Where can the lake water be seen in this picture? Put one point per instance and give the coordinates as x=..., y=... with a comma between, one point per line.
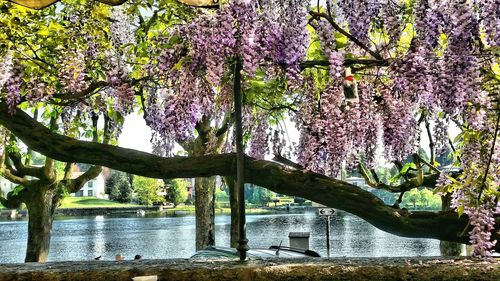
x=173, y=237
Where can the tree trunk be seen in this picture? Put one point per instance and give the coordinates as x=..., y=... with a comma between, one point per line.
x=41, y=207
x=448, y=249
x=205, y=212
x=233, y=202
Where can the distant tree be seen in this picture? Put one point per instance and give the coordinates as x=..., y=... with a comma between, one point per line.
x=221, y=195
x=411, y=196
x=147, y=190
x=262, y=196
x=177, y=192
x=429, y=200
x=121, y=190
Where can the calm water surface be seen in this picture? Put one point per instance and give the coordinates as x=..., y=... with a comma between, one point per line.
x=173, y=237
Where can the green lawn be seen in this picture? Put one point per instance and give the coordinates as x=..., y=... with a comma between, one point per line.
x=91, y=202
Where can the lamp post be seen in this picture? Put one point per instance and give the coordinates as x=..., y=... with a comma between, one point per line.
x=240, y=159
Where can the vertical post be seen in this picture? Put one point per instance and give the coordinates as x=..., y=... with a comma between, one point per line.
x=240, y=159
x=328, y=235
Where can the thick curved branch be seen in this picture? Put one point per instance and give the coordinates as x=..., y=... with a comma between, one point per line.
x=77, y=184
x=10, y=175
x=226, y=124
x=273, y=176
x=21, y=169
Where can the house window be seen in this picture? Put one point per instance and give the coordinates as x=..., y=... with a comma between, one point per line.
x=90, y=193
x=90, y=184
x=79, y=193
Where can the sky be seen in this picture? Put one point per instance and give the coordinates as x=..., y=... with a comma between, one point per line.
x=135, y=134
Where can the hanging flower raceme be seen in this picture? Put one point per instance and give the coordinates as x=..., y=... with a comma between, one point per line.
x=392, y=20
x=312, y=133
x=457, y=81
x=399, y=127
x=368, y=126
x=427, y=23
x=13, y=88
x=326, y=37
x=359, y=15
x=5, y=69
x=120, y=27
x=490, y=15
x=260, y=138
x=440, y=133
x=119, y=87
x=413, y=78
x=72, y=72
x=38, y=91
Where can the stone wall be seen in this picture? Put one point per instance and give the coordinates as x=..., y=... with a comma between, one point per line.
x=386, y=269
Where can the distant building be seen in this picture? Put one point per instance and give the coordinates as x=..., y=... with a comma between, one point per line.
x=92, y=188
x=357, y=181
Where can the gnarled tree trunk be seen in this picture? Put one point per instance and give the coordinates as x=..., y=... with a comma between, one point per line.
x=41, y=207
x=205, y=212
x=447, y=248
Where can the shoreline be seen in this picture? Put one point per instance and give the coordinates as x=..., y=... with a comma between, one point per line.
x=8, y=214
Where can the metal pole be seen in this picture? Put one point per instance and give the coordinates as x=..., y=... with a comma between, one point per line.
x=240, y=159
x=328, y=235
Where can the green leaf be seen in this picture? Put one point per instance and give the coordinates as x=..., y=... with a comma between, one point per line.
x=460, y=210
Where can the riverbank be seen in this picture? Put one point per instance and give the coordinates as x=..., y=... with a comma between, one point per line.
x=269, y=269
x=144, y=210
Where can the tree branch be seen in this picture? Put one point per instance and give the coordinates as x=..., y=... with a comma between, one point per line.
x=77, y=184
x=40, y=4
x=23, y=170
x=429, y=180
x=347, y=62
x=431, y=141
x=280, y=159
x=278, y=178
x=226, y=124
x=347, y=34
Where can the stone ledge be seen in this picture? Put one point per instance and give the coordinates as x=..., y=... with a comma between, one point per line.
x=260, y=270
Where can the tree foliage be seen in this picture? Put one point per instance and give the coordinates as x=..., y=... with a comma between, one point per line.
x=121, y=190
x=147, y=189
x=177, y=191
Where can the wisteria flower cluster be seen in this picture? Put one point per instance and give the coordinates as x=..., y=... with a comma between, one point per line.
x=72, y=72
x=359, y=15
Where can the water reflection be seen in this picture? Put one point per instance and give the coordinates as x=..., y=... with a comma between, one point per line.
x=173, y=237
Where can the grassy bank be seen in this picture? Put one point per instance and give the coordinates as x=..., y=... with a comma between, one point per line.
x=91, y=202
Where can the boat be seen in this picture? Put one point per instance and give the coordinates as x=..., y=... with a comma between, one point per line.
x=225, y=253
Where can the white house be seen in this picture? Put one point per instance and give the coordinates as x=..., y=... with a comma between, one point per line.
x=93, y=188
